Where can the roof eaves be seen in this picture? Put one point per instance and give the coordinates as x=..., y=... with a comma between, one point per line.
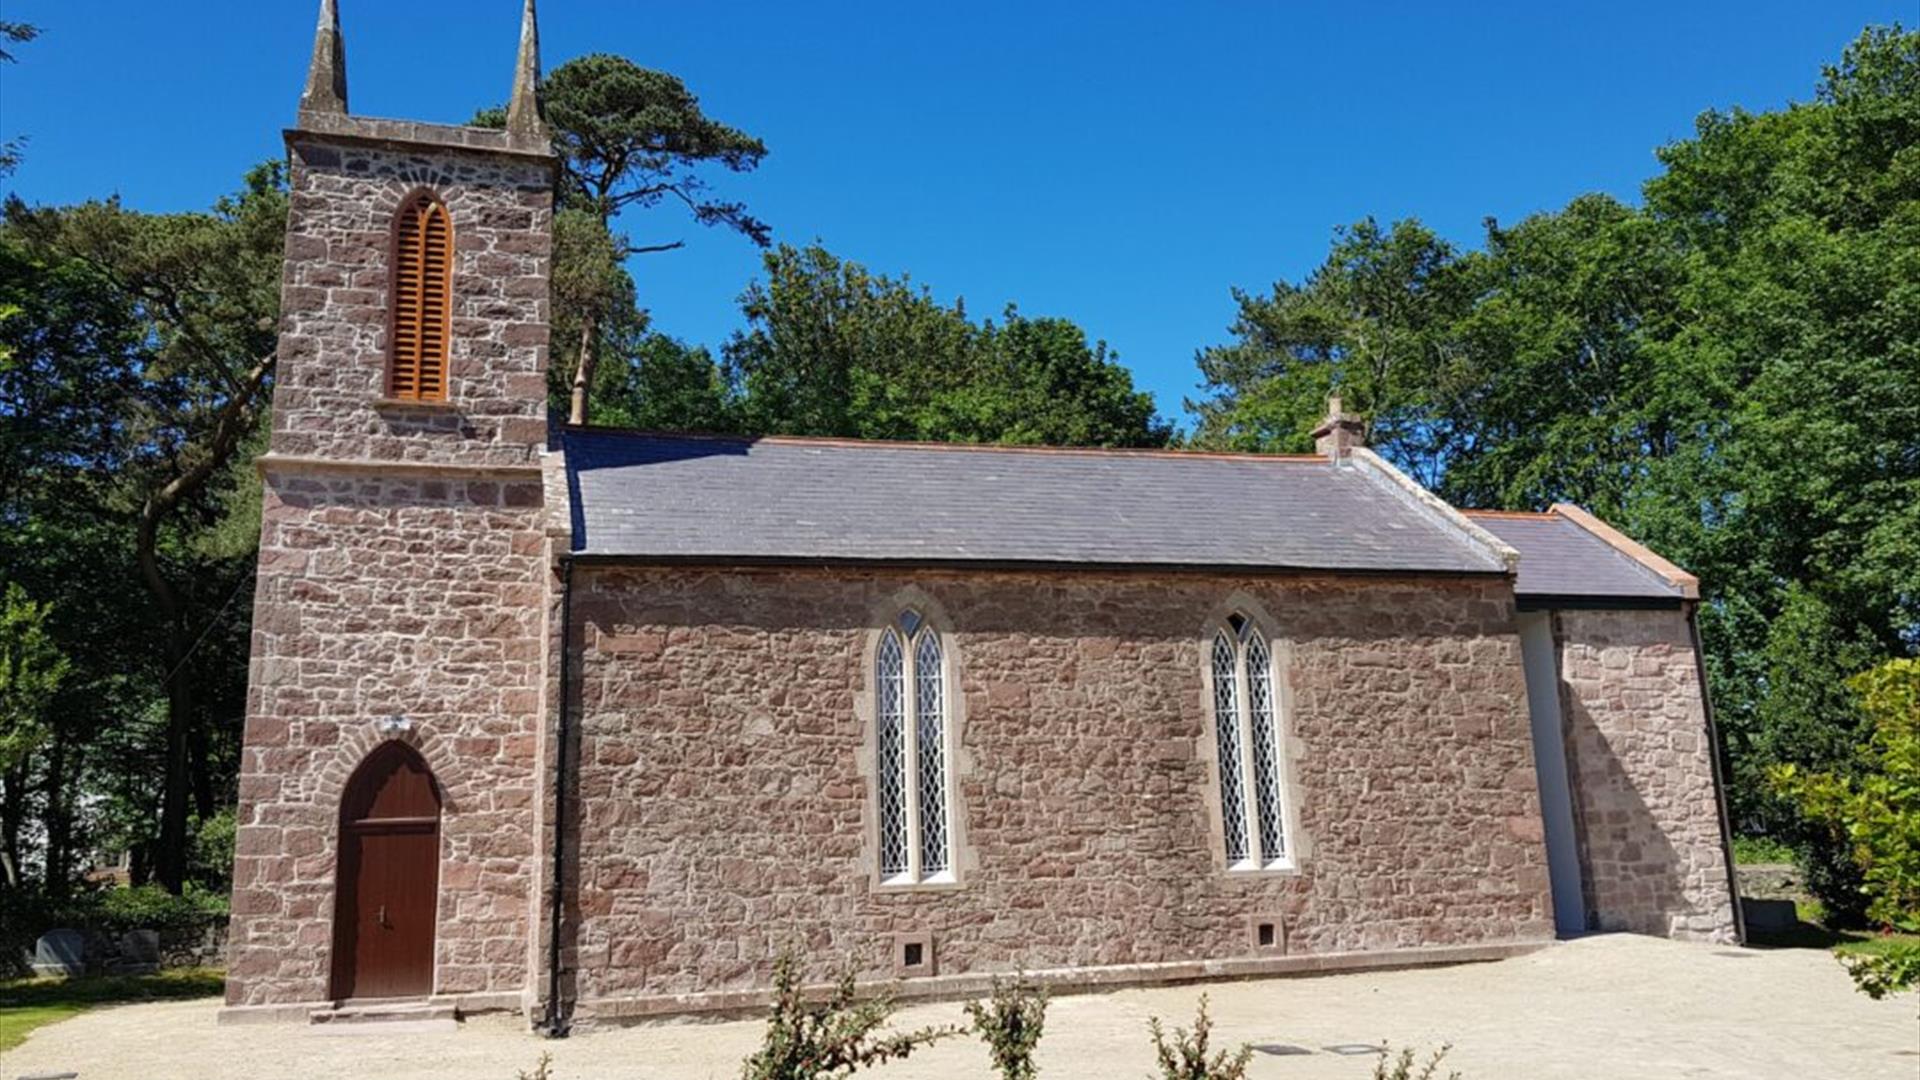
x=1384, y=473
x=1687, y=584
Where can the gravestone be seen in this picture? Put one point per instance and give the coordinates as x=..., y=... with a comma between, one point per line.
x=139, y=953
x=60, y=952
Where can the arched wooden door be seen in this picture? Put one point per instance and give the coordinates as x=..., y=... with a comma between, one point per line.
x=389, y=878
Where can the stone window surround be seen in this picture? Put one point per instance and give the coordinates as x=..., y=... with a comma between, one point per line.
x=883, y=617
x=1287, y=751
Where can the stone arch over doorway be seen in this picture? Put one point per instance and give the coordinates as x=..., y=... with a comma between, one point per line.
x=387, y=887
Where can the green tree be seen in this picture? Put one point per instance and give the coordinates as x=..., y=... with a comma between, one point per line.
x=67, y=387
x=1040, y=383
x=1372, y=323
x=32, y=667
x=628, y=138
x=670, y=386
x=203, y=291
x=832, y=349
x=1799, y=499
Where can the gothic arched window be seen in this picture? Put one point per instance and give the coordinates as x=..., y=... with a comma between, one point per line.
x=910, y=758
x=1247, y=737
x=422, y=301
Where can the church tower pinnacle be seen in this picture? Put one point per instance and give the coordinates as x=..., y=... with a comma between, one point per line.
x=326, y=90
x=525, y=114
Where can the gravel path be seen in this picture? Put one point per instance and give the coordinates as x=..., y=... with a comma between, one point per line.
x=1615, y=1007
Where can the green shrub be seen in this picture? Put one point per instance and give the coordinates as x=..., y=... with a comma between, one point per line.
x=210, y=858
x=1401, y=1067
x=1889, y=972
x=835, y=1037
x=542, y=1069
x=1874, y=815
x=1184, y=1057
x=1010, y=1022
x=150, y=907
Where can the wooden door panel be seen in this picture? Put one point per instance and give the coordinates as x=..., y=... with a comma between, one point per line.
x=386, y=893
x=393, y=913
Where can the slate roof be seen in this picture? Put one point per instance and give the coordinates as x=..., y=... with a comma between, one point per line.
x=1560, y=557
x=706, y=498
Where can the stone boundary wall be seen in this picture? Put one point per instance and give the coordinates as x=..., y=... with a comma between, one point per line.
x=725, y=813
x=1641, y=769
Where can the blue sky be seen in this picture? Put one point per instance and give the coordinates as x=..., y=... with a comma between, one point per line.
x=1119, y=163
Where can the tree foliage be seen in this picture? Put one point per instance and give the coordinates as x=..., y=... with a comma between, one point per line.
x=628, y=138
x=139, y=373
x=32, y=667
x=832, y=349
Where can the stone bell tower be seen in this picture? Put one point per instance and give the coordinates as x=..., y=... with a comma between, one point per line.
x=389, y=812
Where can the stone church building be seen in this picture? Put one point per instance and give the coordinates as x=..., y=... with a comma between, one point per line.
x=592, y=723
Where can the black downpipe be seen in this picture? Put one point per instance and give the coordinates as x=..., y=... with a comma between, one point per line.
x=556, y=1023
x=1719, y=780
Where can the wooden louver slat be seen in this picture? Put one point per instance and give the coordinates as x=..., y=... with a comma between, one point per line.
x=422, y=302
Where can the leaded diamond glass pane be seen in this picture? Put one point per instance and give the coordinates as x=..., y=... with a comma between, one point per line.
x=1226, y=727
x=1266, y=751
x=929, y=706
x=889, y=676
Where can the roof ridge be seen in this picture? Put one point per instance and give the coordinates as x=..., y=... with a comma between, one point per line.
x=1442, y=513
x=958, y=447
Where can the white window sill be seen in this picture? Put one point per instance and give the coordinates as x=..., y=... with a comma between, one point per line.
x=943, y=879
x=1254, y=866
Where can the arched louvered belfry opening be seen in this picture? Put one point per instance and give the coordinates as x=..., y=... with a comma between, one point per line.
x=386, y=893
x=422, y=300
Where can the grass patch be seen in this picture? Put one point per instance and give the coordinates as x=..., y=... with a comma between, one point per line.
x=1749, y=850
x=26, y=1004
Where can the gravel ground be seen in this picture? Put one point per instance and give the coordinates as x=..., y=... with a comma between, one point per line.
x=1618, y=1007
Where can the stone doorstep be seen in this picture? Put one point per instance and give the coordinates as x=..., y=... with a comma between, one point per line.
x=386, y=1017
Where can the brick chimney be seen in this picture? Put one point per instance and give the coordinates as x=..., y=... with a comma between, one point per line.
x=1339, y=433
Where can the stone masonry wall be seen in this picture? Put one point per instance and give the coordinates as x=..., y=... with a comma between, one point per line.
x=378, y=597
x=1641, y=771
x=328, y=400
x=726, y=812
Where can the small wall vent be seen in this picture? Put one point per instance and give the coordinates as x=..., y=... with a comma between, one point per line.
x=913, y=955
x=1267, y=933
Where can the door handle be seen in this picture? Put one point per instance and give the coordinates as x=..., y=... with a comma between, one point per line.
x=383, y=917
